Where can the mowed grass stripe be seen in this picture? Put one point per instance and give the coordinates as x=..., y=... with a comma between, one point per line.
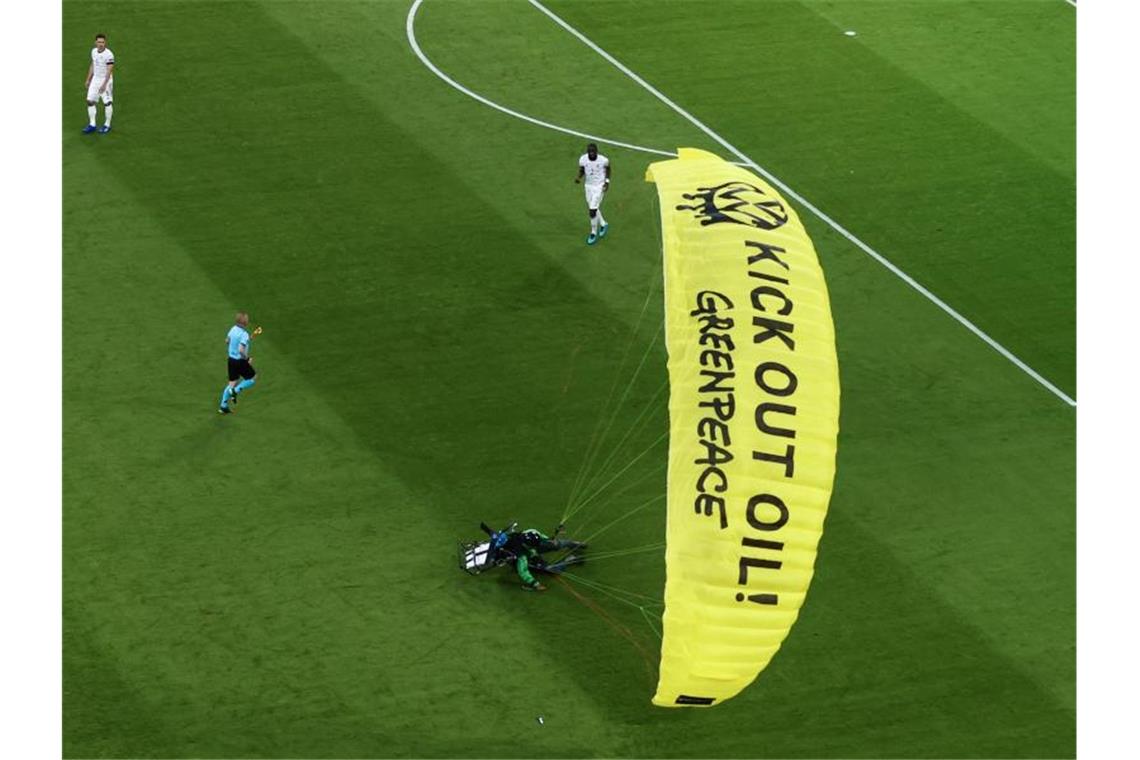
x=1014, y=69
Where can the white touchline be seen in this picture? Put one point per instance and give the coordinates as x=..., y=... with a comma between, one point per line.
x=744, y=160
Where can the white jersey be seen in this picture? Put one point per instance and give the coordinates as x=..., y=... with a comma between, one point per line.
x=99, y=64
x=595, y=170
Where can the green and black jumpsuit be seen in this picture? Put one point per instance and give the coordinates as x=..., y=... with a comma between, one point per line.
x=529, y=546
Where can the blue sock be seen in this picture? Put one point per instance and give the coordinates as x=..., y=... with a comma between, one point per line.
x=225, y=393
x=243, y=385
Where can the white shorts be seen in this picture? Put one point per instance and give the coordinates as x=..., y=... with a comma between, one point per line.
x=93, y=91
x=594, y=195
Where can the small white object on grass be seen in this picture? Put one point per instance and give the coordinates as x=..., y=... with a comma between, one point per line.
x=850, y=33
x=540, y=720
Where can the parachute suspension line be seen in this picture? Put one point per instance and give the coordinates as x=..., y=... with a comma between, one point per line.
x=619, y=628
x=620, y=594
x=640, y=423
x=614, y=553
x=651, y=624
x=597, y=509
x=613, y=417
x=587, y=457
x=594, y=440
x=635, y=427
x=617, y=594
x=618, y=519
x=579, y=528
x=620, y=472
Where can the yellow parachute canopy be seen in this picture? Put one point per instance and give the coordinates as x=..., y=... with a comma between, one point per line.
x=754, y=415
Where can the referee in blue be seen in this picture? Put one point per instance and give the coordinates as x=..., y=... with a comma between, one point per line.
x=241, y=372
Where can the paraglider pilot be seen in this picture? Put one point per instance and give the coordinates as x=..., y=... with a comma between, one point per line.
x=525, y=549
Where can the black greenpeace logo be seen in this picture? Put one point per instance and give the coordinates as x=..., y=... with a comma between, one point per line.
x=736, y=202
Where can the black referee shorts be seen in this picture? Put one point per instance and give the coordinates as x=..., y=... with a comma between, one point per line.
x=240, y=368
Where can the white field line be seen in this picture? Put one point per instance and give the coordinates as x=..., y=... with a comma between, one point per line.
x=411, y=29
x=411, y=32
x=811, y=207
x=1072, y=3
x=744, y=160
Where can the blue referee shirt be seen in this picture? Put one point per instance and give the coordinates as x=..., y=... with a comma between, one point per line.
x=237, y=338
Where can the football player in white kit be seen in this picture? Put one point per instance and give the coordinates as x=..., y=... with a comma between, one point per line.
x=99, y=84
x=596, y=169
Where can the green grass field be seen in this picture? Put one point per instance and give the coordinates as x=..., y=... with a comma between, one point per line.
x=440, y=343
